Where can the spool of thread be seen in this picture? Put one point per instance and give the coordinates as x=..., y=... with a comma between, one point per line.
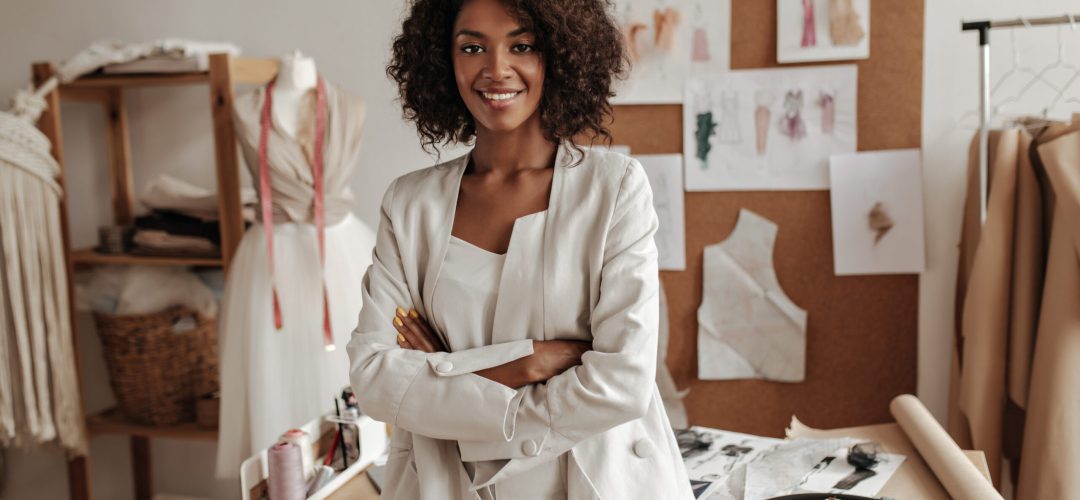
x=286, y=472
x=303, y=440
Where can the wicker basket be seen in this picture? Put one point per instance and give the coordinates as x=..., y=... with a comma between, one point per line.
x=156, y=372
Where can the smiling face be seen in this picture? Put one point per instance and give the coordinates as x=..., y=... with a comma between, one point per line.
x=498, y=69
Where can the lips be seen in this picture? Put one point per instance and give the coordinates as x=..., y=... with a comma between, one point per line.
x=499, y=98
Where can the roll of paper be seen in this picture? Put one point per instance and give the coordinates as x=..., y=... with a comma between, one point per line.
x=956, y=473
x=286, y=472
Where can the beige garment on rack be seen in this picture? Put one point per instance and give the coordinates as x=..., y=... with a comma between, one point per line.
x=984, y=318
x=1007, y=319
x=1051, y=449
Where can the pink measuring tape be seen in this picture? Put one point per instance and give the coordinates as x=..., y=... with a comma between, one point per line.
x=267, y=208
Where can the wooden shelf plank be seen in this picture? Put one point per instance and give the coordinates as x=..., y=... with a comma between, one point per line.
x=136, y=80
x=112, y=422
x=88, y=256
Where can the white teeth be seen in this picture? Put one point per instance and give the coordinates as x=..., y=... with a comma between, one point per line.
x=499, y=97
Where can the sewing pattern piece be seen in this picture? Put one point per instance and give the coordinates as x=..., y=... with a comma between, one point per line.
x=792, y=124
x=747, y=326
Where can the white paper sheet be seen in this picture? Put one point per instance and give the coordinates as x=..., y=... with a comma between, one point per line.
x=694, y=37
x=768, y=129
x=723, y=465
x=830, y=473
x=851, y=24
x=665, y=176
x=877, y=213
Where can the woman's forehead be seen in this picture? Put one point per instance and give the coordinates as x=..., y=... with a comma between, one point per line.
x=487, y=19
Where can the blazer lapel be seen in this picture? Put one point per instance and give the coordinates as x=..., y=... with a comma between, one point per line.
x=437, y=229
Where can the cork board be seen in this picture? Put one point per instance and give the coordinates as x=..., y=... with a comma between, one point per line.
x=862, y=330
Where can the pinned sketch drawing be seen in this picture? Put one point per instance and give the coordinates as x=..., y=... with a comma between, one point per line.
x=747, y=326
x=768, y=129
x=665, y=177
x=822, y=30
x=877, y=213
x=668, y=40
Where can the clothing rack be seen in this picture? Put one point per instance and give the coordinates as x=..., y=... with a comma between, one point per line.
x=984, y=27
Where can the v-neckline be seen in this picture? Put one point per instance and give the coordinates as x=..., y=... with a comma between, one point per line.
x=464, y=167
x=295, y=142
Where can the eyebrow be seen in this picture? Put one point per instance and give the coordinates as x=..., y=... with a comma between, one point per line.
x=477, y=34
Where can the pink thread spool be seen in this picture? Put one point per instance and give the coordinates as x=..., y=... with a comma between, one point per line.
x=286, y=472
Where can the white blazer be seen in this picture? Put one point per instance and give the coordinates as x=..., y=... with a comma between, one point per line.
x=599, y=283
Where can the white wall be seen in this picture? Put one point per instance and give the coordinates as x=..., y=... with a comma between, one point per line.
x=170, y=129
x=950, y=104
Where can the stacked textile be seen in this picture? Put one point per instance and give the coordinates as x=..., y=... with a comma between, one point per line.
x=183, y=219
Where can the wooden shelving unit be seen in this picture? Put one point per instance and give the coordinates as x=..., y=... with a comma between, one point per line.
x=225, y=72
x=111, y=422
x=90, y=257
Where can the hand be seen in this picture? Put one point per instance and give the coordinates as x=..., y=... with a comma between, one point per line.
x=415, y=333
x=549, y=358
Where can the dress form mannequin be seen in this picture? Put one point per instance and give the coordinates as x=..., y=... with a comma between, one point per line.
x=296, y=76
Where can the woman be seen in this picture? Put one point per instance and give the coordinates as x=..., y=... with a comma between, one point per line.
x=509, y=324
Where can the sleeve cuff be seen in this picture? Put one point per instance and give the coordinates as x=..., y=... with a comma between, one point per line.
x=481, y=358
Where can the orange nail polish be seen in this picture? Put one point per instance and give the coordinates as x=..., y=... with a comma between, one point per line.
x=397, y=321
x=401, y=312
x=413, y=313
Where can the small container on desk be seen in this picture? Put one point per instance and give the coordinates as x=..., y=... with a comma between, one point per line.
x=373, y=442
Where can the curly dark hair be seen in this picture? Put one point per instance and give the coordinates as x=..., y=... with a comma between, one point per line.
x=582, y=51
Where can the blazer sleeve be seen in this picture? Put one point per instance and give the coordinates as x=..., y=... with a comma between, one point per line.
x=616, y=379
x=431, y=394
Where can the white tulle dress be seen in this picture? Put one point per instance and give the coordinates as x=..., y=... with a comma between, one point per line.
x=272, y=380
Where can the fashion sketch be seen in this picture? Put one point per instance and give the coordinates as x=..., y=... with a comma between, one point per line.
x=771, y=129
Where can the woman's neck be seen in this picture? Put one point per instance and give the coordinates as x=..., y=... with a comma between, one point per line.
x=524, y=147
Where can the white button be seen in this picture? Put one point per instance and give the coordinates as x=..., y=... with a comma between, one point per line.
x=530, y=448
x=445, y=367
x=643, y=448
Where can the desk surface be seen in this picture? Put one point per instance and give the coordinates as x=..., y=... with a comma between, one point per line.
x=914, y=479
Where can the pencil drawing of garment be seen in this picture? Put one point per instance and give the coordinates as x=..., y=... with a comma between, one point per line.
x=809, y=36
x=705, y=129
x=747, y=326
x=828, y=112
x=844, y=26
x=762, y=100
x=791, y=124
x=665, y=22
x=728, y=132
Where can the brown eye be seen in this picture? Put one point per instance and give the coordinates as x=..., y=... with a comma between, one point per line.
x=472, y=49
x=522, y=48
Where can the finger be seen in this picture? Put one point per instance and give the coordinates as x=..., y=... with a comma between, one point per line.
x=429, y=332
x=404, y=335
x=411, y=332
x=418, y=336
x=402, y=341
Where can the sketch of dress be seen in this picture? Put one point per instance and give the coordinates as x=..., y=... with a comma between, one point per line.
x=828, y=112
x=704, y=130
x=747, y=326
x=762, y=101
x=809, y=34
x=699, y=51
x=728, y=132
x=791, y=124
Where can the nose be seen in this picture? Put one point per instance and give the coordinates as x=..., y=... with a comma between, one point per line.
x=497, y=66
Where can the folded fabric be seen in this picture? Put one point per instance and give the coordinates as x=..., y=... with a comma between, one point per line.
x=102, y=53
x=169, y=193
x=179, y=224
x=152, y=239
